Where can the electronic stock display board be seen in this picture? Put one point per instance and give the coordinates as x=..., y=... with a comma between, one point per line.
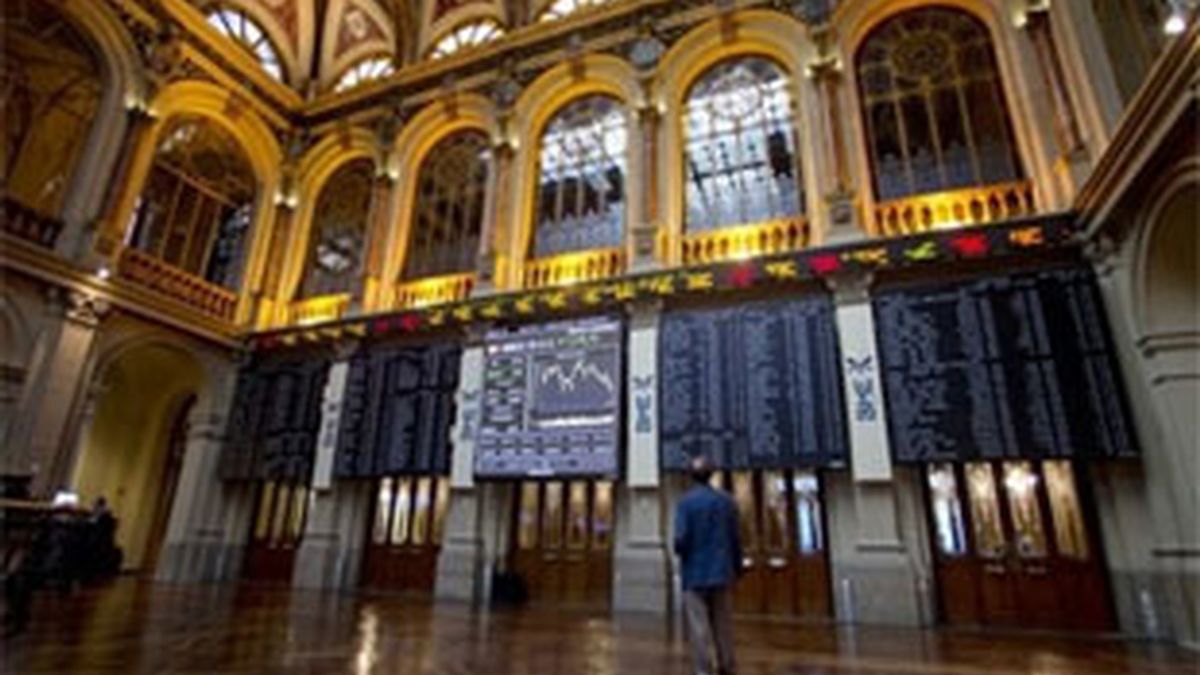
x=551, y=400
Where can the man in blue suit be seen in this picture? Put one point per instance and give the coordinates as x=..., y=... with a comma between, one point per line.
x=710, y=555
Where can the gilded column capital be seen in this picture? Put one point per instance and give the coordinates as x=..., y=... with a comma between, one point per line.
x=84, y=308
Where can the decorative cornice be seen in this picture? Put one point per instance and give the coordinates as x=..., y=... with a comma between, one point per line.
x=929, y=250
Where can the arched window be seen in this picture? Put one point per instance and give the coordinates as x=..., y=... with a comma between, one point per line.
x=581, y=178
x=198, y=201
x=50, y=90
x=365, y=70
x=467, y=35
x=560, y=8
x=740, y=150
x=339, y=231
x=236, y=24
x=448, y=214
x=933, y=105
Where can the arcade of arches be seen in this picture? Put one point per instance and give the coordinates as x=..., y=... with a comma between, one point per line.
x=440, y=297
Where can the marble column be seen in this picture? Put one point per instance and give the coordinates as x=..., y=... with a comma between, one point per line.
x=106, y=231
x=210, y=518
x=462, y=572
x=641, y=564
x=877, y=549
x=38, y=442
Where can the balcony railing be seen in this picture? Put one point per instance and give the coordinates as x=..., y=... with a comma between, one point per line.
x=318, y=309
x=203, y=296
x=745, y=241
x=955, y=208
x=433, y=290
x=573, y=268
x=23, y=222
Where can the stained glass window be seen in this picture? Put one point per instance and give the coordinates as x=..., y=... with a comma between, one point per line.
x=236, y=24
x=339, y=231
x=560, y=8
x=448, y=213
x=465, y=36
x=364, y=71
x=740, y=151
x=933, y=105
x=197, y=203
x=581, y=186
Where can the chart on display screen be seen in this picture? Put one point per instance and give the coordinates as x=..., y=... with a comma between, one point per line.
x=551, y=400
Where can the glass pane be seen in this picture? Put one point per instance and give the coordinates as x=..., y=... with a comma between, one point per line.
x=602, y=515
x=743, y=495
x=527, y=517
x=453, y=174
x=740, y=147
x=299, y=510
x=262, y=523
x=949, y=529
x=577, y=515
x=339, y=230
x=775, y=511
x=440, y=506
x=1070, y=536
x=401, y=511
x=810, y=535
x=985, y=510
x=280, y=512
x=421, y=510
x=383, y=507
x=552, y=516
x=581, y=182
x=1020, y=483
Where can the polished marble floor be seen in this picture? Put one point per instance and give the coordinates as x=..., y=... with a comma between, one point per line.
x=139, y=627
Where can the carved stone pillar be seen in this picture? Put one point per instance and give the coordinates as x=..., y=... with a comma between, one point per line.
x=640, y=559
x=495, y=210
x=365, y=296
x=107, y=233
x=643, y=232
x=877, y=576
x=462, y=572
x=1070, y=140
x=39, y=439
x=842, y=213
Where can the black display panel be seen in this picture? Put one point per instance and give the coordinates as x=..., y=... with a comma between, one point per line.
x=752, y=386
x=397, y=411
x=551, y=402
x=1009, y=366
x=274, y=419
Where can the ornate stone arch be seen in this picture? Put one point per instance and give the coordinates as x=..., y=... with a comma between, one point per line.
x=124, y=85
x=1035, y=146
x=762, y=33
x=538, y=104
x=422, y=133
x=1172, y=186
x=434, y=27
x=320, y=163
x=262, y=151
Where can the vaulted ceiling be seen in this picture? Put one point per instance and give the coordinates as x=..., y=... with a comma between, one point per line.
x=318, y=40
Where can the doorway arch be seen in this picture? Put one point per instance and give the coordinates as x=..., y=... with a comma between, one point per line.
x=145, y=393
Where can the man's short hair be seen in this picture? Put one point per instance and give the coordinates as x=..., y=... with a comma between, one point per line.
x=700, y=469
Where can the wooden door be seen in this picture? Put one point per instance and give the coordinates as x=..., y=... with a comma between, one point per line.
x=562, y=535
x=783, y=542
x=276, y=532
x=405, y=535
x=1021, y=552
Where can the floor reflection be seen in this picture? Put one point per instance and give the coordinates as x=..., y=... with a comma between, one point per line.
x=139, y=627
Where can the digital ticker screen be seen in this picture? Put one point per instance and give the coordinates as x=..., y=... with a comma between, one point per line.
x=551, y=400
